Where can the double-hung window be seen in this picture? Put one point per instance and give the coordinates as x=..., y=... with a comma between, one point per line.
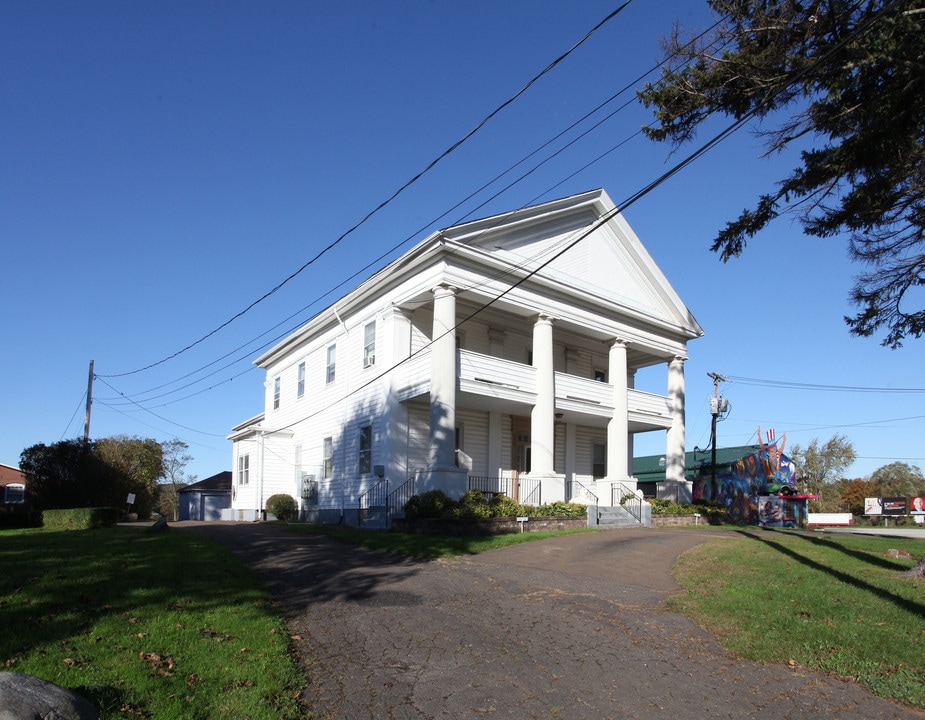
x=327, y=451
x=300, y=387
x=365, y=459
x=332, y=361
x=244, y=469
x=599, y=460
x=369, y=344
x=276, y=394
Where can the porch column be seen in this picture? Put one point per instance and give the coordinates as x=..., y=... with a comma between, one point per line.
x=443, y=379
x=674, y=450
x=618, y=463
x=542, y=418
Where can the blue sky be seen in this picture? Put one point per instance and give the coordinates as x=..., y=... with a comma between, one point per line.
x=167, y=164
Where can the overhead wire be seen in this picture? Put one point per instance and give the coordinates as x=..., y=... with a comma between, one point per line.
x=629, y=86
x=388, y=200
x=719, y=137
x=733, y=127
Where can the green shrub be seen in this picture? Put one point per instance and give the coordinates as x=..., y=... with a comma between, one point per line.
x=282, y=506
x=504, y=506
x=432, y=504
x=80, y=518
x=472, y=505
x=561, y=509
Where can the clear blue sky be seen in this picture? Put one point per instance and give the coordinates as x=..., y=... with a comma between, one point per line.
x=166, y=164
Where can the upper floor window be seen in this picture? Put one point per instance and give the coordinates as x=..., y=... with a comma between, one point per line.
x=369, y=344
x=276, y=393
x=300, y=387
x=600, y=376
x=365, y=460
x=332, y=361
x=14, y=493
x=244, y=471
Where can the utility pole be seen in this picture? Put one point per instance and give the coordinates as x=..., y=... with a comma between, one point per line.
x=89, y=403
x=716, y=407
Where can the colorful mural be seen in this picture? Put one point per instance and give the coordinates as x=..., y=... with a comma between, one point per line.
x=756, y=488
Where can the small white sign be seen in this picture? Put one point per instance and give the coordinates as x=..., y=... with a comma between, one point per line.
x=131, y=498
x=522, y=519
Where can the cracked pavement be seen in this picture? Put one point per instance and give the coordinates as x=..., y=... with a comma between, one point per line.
x=568, y=627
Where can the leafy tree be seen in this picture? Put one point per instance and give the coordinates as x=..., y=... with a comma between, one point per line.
x=899, y=480
x=60, y=475
x=138, y=463
x=174, y=477
x=101, y=473
x=843, y=82
x=854, y=491
x=823, y=465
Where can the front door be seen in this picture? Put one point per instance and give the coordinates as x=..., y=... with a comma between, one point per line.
x=520, y=462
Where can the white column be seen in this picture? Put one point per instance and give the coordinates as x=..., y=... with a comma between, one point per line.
x=674, y=450
x=542, y=419
x=618, y=425
x=443, y=379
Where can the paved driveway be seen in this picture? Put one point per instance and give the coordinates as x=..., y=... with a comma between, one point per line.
x=566, y=628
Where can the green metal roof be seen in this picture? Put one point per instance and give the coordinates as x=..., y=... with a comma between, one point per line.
x=651, y=468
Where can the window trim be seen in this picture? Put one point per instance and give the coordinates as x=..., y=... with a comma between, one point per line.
x=276, y=392
x=331, y=364
x=20, y=487
x=369, y=344
x=327, y=458
x=244, y=469
x=365, y=450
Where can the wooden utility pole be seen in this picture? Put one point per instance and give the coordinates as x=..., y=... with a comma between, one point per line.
x=89, y=403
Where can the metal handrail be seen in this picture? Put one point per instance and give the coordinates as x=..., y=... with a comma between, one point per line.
x=398, y=498
x=620, y=494
x=376, y=496
x=592, y=506
x=500, y=485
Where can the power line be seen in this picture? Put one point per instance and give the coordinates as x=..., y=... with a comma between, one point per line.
x=388, y=200
x=819, y=387
x=629, y=86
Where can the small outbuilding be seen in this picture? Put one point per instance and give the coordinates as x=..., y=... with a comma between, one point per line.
x=206, y=499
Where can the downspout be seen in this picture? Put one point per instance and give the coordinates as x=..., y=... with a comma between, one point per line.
x=262, y=435
x=343, y=415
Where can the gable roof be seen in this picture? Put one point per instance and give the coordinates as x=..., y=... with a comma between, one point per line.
x=582, y=242
x=577, y=251
x=219, y=481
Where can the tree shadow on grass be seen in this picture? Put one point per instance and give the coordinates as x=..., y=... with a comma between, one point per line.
x=901, y=602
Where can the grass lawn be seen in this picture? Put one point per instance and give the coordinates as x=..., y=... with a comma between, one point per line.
x=145, y=625
x=831, y=603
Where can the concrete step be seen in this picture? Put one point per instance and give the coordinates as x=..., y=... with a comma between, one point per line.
x=617, y=516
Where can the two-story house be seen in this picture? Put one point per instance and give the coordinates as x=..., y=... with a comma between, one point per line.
x=500, y=354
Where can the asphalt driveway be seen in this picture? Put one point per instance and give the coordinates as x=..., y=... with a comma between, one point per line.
x=568, y=628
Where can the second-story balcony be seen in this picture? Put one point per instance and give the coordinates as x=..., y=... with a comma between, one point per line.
x=489, y=383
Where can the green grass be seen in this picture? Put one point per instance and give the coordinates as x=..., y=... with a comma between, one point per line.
x=145, y=625
x=833, y=604
x=427, y=546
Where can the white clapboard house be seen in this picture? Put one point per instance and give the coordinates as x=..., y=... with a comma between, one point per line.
x=506, y=354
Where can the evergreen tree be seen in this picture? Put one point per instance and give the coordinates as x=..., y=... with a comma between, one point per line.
x=844, y=82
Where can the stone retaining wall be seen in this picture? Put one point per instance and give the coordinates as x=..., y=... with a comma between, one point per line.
x=677, y=520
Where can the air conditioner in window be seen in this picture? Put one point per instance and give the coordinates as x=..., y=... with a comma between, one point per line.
x=370, y=360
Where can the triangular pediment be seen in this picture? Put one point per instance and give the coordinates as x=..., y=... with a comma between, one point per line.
x=585, y=246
